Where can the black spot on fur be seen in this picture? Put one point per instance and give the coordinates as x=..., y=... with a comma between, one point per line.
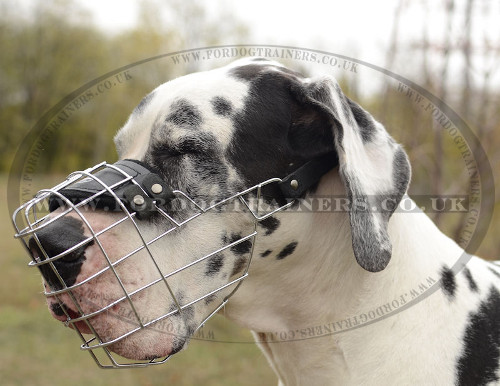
x=214, y=264
x=371, y=243
x=266, y=253
x=478, y=363
x=448, y=282
x=240, y=248
x=222, y=106
x=250, y=71
x=247, y=72
x=278, y=122
x=270, y=224
x=288, y=250
x=210, y=298
x=364, y=120
x=239, y=265
x=143, y=103
x=401, y=173
x=368, y=242
x=470, y=280
x=184, y=114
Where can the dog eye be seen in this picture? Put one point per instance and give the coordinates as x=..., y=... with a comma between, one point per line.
x=173, y=152
x=186, y=147
x=165, y=152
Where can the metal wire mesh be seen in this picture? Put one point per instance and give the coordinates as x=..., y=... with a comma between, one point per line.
x=34, y=215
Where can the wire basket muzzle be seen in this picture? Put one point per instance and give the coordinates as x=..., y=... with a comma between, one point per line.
x=105, y=303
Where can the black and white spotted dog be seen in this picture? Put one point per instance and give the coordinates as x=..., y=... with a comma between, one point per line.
x=212, y=134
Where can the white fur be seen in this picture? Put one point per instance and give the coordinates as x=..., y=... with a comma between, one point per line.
x=321, y=284
x=136, y=133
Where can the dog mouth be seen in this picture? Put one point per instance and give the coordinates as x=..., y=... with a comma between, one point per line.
x=67, y=315
x=116, y=290
x=114, y=330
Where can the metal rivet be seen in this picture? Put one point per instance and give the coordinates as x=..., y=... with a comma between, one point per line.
x=157, y=188
x=138, y=200
x=294, y=184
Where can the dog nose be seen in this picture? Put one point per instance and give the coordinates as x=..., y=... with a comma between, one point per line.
x=55, y=239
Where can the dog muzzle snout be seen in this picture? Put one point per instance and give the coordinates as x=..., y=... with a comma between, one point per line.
x=104, y=263
x=70, y=231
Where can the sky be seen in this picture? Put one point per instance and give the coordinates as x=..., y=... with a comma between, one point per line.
x=356, y=28
x=362, y=29
x=313, y=23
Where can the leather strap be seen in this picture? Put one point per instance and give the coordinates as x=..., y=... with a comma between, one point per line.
x=297, y=183
x=126, y=191
x=292, y=186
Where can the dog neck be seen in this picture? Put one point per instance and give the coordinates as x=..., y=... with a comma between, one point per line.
x=303, y=307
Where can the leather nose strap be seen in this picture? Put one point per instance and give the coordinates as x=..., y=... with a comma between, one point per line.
x=149, y=188
x=139, y=194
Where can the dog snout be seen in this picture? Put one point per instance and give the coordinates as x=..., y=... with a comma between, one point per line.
x=60, y=238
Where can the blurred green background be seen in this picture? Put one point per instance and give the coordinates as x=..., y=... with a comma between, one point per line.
x=53, y=47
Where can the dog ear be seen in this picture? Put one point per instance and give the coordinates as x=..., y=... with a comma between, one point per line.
x=373, y=167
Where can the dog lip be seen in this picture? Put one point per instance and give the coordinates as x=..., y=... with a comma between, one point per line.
x=80, y=326
x=66, y=317
x=57, y=310
x=63, y=314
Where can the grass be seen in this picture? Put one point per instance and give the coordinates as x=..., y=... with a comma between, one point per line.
x=37, y=350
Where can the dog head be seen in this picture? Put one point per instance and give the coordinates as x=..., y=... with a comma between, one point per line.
x=211, y=135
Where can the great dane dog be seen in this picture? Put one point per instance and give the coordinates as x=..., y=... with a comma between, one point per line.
x=318, y=276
